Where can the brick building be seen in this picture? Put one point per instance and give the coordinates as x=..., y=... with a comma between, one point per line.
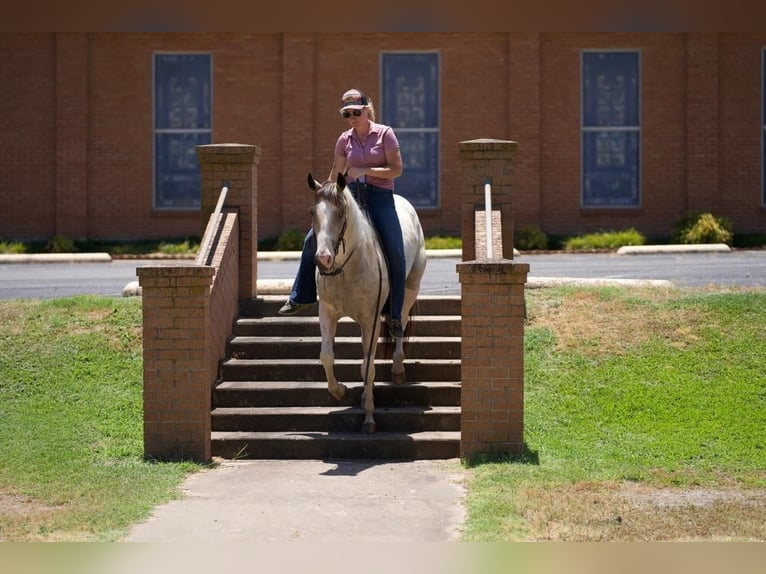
x=615, y=130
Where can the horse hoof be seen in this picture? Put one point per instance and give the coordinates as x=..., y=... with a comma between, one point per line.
x=339, y=392
x=398, y=378
x=368, y=428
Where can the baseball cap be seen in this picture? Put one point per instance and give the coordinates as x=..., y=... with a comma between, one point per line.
x=353, y=100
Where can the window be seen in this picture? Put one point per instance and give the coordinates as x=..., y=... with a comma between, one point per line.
x=611, y=130
x=182, y=121
x=411, y=106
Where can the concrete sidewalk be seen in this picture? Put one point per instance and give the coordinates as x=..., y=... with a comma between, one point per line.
x=314, y=501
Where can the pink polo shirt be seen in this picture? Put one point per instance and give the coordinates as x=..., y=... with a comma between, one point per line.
x=371, y=153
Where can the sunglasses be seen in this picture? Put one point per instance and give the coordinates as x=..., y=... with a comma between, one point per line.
x=355, y=113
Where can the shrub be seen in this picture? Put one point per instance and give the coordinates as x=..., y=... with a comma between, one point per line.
x=444, y=242
x=290, y=240
x=704, y=228
x=186, y=247
x=605, y=240
x=12, y=247
x=60, y=244
x=530, y=237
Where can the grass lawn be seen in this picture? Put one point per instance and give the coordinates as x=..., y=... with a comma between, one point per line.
x=71, y=434
x=645, y=418
x=645, y=415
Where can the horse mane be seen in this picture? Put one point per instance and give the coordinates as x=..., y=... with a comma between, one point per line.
x=333, y=191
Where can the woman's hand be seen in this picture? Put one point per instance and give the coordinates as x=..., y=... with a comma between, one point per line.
x=356, y=172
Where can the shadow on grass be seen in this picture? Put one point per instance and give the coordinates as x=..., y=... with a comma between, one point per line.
x=526, y=456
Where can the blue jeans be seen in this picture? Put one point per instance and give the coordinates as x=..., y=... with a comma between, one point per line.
x=379, y=205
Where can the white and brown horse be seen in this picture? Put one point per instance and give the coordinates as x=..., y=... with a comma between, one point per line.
x=353, y=281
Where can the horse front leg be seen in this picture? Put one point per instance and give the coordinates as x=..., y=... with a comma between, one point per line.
x=369, y=345
x=327, y=326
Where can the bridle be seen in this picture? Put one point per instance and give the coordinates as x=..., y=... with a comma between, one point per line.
x=341, y=241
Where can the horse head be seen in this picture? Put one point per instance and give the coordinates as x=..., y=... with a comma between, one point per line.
x=329, y=218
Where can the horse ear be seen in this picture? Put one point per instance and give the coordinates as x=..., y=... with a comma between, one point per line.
x=341, y=180
x=313, y=184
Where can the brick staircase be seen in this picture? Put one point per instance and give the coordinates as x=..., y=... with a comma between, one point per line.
x=272, y=400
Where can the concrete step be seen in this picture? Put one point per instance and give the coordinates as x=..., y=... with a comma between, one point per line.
x=268, y=306
x=315, y=393
x=336, y=445
x=345, y=370
x=334, y=419
x=308, y=326
x=263, y=347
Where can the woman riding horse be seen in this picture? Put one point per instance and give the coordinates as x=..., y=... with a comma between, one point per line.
x=368, y=154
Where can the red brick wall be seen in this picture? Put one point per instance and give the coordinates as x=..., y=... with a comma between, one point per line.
x=741, y=131
x=28, y=124
x=701, y=98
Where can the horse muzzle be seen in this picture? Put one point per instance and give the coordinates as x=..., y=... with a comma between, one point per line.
x=324, y=261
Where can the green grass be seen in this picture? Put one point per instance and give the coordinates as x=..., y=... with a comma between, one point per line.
x=629, y=392
x=660, y=391
x=71, y=420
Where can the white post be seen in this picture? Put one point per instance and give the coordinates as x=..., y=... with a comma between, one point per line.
x=488, y=216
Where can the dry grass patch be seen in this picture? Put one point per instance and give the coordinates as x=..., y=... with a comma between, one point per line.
x=598, y=322
x=631, y=512
x=22, y=518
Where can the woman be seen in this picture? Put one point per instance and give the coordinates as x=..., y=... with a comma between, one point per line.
x=368, y=154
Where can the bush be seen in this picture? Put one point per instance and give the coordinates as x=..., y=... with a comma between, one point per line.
x=704, y=228
x=290, y=240
x=530, y=238
x=12, y=247
x=60, y=244
x=605, y=240
x=184, y=248
x=444, y=242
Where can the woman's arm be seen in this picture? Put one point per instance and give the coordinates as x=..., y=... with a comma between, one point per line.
x=339, y=165
x=392, y=169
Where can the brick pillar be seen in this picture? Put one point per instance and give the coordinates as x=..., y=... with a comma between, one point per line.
x=492, y=361
x=482, y=159
x=177, y=369
x=492, y=307
x=236, y=164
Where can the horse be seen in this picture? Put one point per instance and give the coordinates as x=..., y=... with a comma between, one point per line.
x=352, y=279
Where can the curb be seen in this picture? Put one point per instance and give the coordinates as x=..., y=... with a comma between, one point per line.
x=56, y=258
x=674, y=248
x=539, y=282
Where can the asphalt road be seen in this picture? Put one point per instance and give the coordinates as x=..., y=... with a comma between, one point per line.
x=742, y=268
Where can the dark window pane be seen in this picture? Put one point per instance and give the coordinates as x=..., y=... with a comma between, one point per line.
x=610, y=89
x=182, y=91
x=420, y=153
x=177, y=169
x=410, y=90
x=611, y=160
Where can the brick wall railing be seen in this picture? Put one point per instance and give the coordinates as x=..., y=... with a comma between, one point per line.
x=492, y=307
x=237, y=165
x=188, y=312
